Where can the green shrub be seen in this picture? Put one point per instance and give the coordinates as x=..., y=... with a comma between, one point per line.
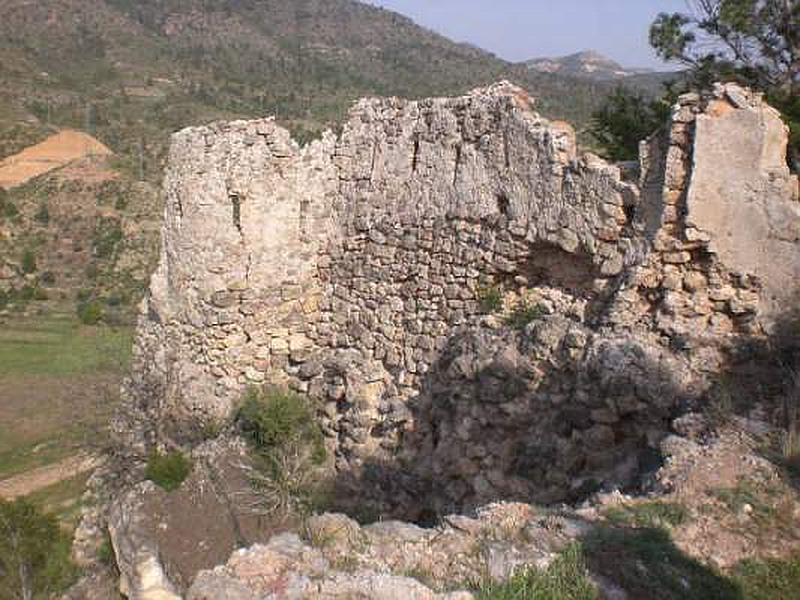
x=107, y=235
x=168, y=471
x=565, y=579
x=289, y=451
x=649, y=514
x=525, y=313
x=42, y=215
x=490, y=299
x=90, y=312
x=34, y=553
x=770, y=579
x=7, y=208
x=28, y=261
x=272, y=419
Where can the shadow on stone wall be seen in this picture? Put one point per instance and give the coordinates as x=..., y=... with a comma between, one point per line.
x=548, y=414
x=554, y=413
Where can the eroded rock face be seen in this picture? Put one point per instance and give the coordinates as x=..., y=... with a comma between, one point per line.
x=355, y=270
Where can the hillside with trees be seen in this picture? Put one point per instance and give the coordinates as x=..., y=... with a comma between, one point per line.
x=133, y=72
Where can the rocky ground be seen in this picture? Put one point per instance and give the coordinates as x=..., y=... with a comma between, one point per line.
x=715, y=503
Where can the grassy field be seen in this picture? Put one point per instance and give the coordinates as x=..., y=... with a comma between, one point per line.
x=58, y=346
x=59, y=381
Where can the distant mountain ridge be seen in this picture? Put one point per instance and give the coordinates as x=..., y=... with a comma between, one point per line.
x=586, y=64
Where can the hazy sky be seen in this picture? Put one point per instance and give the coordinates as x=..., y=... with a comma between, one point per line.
x=520, y=29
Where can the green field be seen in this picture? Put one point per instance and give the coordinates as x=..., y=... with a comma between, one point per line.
x=60, y=346
x=59, y=381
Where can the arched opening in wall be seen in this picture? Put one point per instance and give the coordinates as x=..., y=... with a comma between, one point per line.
x=549, y=265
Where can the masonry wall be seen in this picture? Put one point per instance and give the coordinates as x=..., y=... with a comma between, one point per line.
x=353, y=270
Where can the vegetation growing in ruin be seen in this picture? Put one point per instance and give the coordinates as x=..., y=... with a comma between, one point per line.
x=35, y=561
x=288, y=449
x=524, y=313
x=490, y=299
x=273, y=418
x=168, y=471
x=649, y=514
x=565, y=579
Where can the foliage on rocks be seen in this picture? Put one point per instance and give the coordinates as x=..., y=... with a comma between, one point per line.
x=288, y=449
x=525, y=313
x=273, y=419
x=565, y=579
x=168, y=471
x=490, y=299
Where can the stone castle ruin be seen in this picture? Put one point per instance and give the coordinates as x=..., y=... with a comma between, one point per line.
x=358, y=270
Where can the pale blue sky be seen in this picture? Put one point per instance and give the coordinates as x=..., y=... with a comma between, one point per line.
x=520, y=29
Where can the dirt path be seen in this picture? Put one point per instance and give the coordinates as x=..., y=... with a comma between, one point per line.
x=32, y=481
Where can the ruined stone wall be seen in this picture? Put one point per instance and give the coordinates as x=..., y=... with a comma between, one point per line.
x=353, y=270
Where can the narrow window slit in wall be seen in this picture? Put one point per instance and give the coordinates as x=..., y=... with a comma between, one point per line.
x=236, y=205
x=415, y=158
x=458, y=164
x=374, y=161
x=303, y=216
x=503, y=205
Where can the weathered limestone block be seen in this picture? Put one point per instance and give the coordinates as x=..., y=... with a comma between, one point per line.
x=142, y=575
x=742, y=196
